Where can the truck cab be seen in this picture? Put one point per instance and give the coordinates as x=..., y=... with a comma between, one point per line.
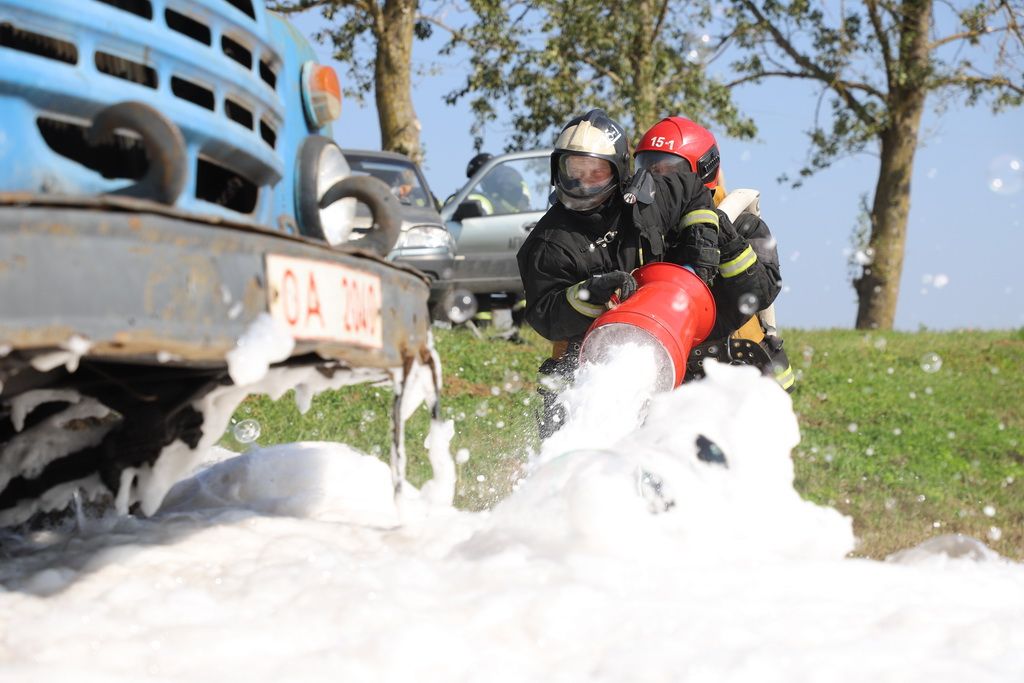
x=167, y=182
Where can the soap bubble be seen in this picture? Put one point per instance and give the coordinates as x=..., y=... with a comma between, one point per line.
x=864, y=257
x=513, y=381
x=246, y=431
x=1006, y=175
x=931, y=362
x=460, y=306
x=749, y=304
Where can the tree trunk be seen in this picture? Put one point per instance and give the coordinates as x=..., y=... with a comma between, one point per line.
x=399, y=127
x=644, y=77
x=878, y=287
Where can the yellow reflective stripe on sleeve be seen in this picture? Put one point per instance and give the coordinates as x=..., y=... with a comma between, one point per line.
x=485, y=203
x=581, y=306
x=739, y=264
x=785, y=377
x=700, y=216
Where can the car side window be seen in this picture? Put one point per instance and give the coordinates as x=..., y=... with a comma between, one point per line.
x=514, y=186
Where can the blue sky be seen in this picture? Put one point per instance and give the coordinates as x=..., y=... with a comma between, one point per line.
x=962, y=267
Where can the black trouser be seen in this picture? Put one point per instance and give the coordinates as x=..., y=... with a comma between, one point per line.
x=553, y=376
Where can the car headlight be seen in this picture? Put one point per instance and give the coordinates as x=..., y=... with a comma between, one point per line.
x=320, y=165
x=425, y=237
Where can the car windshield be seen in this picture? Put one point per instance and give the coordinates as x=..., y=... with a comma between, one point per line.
x=400, y=176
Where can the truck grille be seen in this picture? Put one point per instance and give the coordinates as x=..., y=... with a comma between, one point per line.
x=123, y=157
x=235, y=169
x=144, y=8
x=37, y=44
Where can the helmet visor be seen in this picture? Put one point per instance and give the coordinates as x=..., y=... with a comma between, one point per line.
x=584, y=182
x=661, y=163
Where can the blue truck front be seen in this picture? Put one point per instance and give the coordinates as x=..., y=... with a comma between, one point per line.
x=163, y=171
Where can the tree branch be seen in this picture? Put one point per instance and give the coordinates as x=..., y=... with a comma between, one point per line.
x=964, y=35
x=883, y=40
x=753, y=78
x=832, y=80
x=661, y=18
x=296, y=6
x=1011, y=21
x=991, y=81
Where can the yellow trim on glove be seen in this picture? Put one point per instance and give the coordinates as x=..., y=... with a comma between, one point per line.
x=581, y=306
x=739, y=264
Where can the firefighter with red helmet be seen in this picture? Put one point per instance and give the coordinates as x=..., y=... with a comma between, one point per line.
x=748, y=276
x=584, y=248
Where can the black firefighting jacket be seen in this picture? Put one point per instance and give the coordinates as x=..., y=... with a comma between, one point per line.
x=748, y=279
x=680, y=224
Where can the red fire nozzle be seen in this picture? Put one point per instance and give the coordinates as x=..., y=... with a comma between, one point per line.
x=671, y=306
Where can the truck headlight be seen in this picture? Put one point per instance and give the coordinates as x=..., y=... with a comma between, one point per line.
x=320, y=165
x=321, y=94
x=425, y=237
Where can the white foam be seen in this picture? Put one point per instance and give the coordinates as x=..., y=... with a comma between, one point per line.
x=264, y=342
x=295, y=563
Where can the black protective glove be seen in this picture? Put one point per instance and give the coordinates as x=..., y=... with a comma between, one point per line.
x=730, y=243
x=698, y=248
x=601, y=287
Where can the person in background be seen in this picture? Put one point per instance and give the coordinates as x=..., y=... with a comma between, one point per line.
x=502, y=191
x=406, y=187
x=584, y=248
x=749, y=277
x=472, y=167
x=476, y=162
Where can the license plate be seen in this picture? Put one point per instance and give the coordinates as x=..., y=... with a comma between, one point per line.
x=318, y=300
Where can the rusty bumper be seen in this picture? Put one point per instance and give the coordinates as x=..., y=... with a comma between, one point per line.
x=144, y=285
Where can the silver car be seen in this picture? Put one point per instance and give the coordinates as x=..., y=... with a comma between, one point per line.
x=424, y=242
x=490, y=217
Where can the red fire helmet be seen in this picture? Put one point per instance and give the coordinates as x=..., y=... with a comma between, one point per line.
x=675, y=138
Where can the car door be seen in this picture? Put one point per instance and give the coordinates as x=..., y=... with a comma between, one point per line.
x=513, y=191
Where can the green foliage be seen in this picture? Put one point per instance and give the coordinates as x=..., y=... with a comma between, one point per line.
x=545, y=60
x=355, y=30
x=871, y=61
x=351, y=30
x=908, y=453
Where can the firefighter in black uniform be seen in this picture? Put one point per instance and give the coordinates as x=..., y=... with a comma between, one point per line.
x=749, y=277
x=583, y=249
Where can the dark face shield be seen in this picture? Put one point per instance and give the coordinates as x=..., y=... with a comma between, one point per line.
x=661, y=163
x=584, y=182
